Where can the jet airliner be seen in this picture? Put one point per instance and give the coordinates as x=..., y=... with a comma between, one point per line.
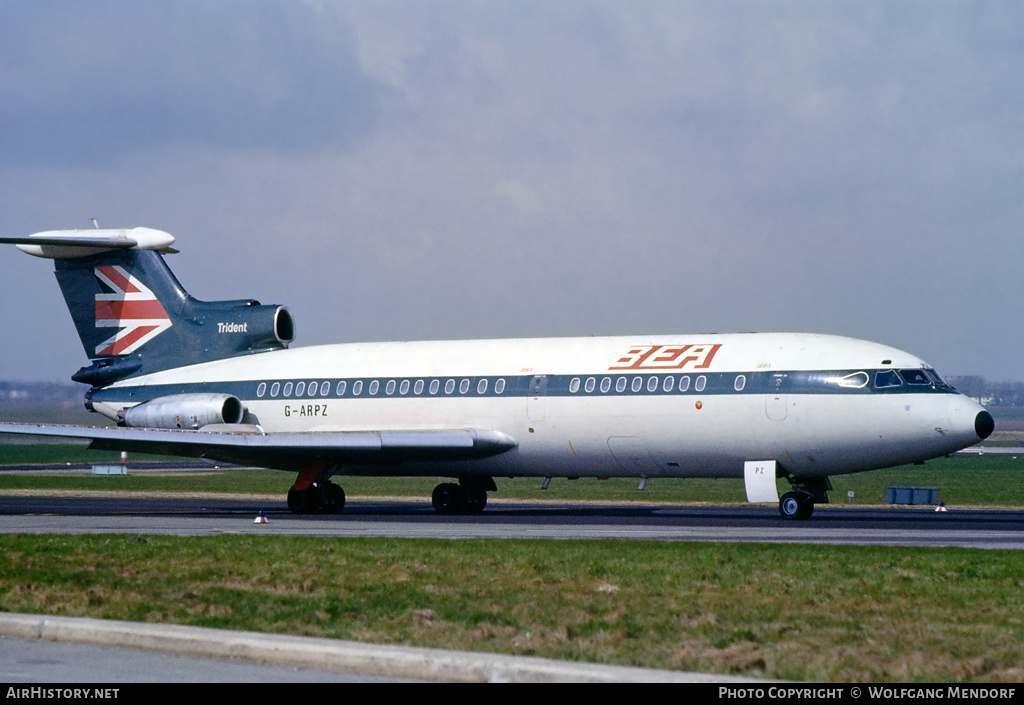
x=219, y=380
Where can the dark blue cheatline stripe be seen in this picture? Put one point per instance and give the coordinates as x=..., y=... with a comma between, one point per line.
x=639, y=384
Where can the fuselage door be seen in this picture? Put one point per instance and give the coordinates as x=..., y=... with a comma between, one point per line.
x=631, y=455
x=775, y=400
x=535, y=402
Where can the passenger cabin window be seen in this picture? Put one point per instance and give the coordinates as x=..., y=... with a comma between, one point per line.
x=638, y=384
x=652, y=384
x=435, y=385
x=463, y=386
x=389, y=388
x=700, y=383
x=312, y=388
x=418, y=387
x=668, y=383
x=481, y=386
x=620, y=384
x=499, y=386
x=740, y=383
x=606, y=385
x=299, y=389
x=374, y=387
x=340, y=389
x=915, y=377
x=887, y=378
x=357, y=387
x=590, y=384
x=449, y=386
x=684, y=383
x=403, y=388
x=325, y=388
x=287, y=389
x=261, y=390
x=574, y=385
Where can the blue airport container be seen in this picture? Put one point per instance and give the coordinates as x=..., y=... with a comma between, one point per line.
x=912, y=495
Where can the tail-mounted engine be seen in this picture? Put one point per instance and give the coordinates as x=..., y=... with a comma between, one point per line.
x=236, y=327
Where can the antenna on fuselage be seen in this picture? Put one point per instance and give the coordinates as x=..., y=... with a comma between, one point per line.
x=95, y=225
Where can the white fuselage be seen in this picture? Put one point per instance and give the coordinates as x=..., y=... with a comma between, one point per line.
x=650, y=406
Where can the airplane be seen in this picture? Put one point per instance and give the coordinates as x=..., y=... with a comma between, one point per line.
x=220, y=380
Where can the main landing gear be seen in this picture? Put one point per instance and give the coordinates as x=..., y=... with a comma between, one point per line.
x=314, y=492
x=322, y=496
x=467, y=497
x=799, y=504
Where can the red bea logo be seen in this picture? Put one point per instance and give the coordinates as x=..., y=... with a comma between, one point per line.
x=668, y=357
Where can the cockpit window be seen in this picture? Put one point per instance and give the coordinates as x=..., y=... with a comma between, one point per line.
x=856, y=380
x=915, y=377
x=935, y=376
x=887, y=378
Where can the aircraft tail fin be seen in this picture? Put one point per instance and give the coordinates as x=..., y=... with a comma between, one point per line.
x=134, y=317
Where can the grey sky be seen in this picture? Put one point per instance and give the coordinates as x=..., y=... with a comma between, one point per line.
x=410, y=170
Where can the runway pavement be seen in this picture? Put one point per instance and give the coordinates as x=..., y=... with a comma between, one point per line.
x=835, y=524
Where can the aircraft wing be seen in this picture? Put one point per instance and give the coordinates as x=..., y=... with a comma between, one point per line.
x=248, y=445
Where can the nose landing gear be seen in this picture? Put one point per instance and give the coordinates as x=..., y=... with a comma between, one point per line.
x=796, y=505
x=799, y=504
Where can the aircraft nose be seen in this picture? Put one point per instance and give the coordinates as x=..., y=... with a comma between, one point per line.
x=984, y=424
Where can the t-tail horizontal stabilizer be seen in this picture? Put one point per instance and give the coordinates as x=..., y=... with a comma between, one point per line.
x=72, y=244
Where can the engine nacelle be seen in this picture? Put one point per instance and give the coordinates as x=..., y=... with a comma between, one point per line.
x=191, y=411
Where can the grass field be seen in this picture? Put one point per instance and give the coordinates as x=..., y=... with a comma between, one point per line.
x=816, y=613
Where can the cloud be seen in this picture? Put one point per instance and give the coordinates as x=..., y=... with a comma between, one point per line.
x=89, y=83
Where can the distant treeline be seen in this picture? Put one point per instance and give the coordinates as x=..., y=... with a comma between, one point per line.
x=990, y=393
x=34, y=392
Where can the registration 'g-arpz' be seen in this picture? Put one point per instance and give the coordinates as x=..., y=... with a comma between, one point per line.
x=217, y=380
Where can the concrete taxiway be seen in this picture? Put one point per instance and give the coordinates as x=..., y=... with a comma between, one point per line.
x=235, y=652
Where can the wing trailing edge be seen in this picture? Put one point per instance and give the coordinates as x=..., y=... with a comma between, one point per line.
x=248, y=445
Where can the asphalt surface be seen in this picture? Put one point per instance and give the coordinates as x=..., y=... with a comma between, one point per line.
x=830, y=524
